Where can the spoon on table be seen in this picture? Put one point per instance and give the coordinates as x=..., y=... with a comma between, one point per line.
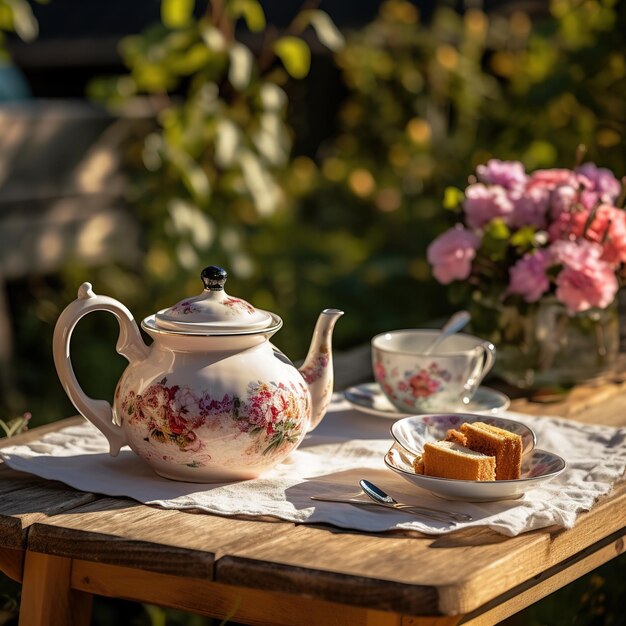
x=380, y=497
x=458, y=321
x=419, y=511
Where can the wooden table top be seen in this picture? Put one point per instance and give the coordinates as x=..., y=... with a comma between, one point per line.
x=458, y=573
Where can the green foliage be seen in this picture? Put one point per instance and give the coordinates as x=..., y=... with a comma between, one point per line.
x=213, y=182
x=496, y=240
x=216, y=181
x=593, y=600
x=453, y=198
x=16, y=425
x=294, y=54
x=16, y=16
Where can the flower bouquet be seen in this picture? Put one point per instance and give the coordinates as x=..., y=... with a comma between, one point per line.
x=539, y=257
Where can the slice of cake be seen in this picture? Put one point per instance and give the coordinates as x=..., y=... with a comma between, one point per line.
x=448, y=459
x=457, y=436
x=504, y=445
x=418, y=465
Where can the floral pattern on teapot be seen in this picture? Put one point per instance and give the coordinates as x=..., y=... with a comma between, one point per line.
x=234, y=305
x=317, y=365
x=272, y=416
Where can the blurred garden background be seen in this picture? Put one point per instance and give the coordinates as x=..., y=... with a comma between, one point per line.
x=310, y=148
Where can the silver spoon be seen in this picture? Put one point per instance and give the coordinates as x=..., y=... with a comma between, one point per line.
x=438, y=516
x=378, y=495
x=458, y=321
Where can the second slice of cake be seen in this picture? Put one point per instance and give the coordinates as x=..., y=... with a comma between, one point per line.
x=504, y=445
x=448, y=459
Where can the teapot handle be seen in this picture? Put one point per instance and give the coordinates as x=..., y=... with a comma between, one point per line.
x=130, y=344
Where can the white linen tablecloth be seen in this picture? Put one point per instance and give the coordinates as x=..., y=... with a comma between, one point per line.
x=347, y=446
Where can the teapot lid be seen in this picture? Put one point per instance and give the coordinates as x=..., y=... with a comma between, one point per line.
x=213, y=311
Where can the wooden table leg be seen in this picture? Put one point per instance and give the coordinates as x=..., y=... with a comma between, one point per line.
x=12, y=563
x=47, y=597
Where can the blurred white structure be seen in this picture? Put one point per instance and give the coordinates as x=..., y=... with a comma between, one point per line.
x=61, y=193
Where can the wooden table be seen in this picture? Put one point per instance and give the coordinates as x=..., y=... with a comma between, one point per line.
x=65, y=546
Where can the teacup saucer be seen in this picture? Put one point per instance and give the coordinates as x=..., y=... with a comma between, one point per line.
x=369, y=398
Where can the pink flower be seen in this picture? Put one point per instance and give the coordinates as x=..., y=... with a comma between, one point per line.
x=568, y=224
x=185, y=402
x=530, y=207
x=422, y=385
x=564, y=198
x=528, y=276
x=153, y=403
x=190, y=442
x=379, y=371
x=586, y=281
x=608, y=228
x=451, y=254
x=508, y=174
x=604, y=184
x=483, y=203
x=553, y=178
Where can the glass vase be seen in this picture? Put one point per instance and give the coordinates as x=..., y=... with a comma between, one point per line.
x=544, y=346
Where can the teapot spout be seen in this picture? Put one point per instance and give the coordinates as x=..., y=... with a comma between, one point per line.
x=317, y=369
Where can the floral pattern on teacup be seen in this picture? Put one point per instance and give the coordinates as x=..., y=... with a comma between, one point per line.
x=412, y=386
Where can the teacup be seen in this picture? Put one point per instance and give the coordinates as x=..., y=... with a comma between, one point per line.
x=444, y=380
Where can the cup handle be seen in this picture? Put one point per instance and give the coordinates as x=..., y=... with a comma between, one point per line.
x=489, y=359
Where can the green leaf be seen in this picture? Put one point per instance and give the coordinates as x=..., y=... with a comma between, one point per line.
x=251, y=11
x=496, y=239
x=497, y=229
x=240, y=68
x=452, y=198
x=176, y=13
x=325, y=29
x=295, y=55
x=524, y=238
x=24, y=22
x=213, y=38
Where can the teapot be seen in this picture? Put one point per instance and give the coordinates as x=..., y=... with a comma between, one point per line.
x=210, y=399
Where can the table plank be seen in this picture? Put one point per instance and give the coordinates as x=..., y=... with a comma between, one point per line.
x=27, y=499
x=124, y=532
x=591, y=404
x=240, y=604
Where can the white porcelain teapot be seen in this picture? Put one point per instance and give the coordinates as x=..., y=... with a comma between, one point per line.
x=211, y=399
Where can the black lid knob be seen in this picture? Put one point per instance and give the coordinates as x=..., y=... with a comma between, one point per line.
x=214, y=278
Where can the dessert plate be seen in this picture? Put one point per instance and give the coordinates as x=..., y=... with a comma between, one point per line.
x=369, y=398
x=538, y=467
x=412, y=432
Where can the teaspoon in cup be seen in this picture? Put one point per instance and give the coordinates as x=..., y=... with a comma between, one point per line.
x=458, y=321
